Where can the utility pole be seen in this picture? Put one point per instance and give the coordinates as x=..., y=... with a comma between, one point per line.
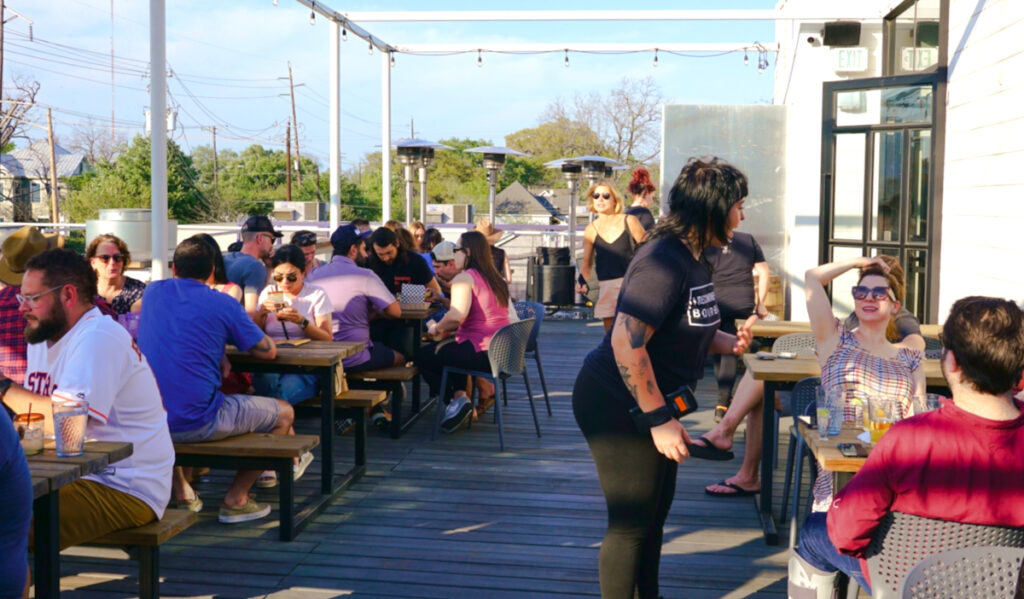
x=412, y=132
x=298, y=161
x=112, y=130
x=288, y=160
x=213, y=130
x=2, y=7
x=53, y=167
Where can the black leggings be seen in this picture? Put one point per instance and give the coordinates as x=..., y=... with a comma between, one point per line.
x=638, y=484
x=432, y=361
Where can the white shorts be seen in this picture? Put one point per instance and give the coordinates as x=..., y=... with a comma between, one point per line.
x=608, y=298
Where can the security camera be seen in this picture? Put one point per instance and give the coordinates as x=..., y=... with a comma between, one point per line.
x=814, y=40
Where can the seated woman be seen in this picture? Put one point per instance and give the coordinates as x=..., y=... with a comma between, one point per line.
x=479, y=307
x=108, y=254
x=301, y=311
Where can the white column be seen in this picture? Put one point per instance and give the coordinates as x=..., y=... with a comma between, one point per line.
x=385, y=136
x=158, y=136
x=335, y=126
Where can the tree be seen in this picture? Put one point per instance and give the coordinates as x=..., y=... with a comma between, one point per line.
x=97, y=144
x=557, y=138
x=14, y=112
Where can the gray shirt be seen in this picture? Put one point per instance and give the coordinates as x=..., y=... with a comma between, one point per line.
x=245, y=271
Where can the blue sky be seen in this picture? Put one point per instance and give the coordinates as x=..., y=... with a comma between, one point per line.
x=229, y=54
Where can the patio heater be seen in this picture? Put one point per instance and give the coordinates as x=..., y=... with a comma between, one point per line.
x=494, y=161
x=571, y=173
x=416, y=154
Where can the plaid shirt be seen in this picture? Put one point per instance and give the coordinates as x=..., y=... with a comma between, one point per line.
x=13, y=347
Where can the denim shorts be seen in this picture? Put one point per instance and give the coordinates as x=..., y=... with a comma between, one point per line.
x=238, y=414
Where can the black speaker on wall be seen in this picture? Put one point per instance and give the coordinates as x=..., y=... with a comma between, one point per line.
x=841, y=33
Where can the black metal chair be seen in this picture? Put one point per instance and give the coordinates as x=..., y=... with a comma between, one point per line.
x=932, y=348
x=535, y=311
x=506, y=354
x=801, y=344
x=990, y=572
x=802, y=401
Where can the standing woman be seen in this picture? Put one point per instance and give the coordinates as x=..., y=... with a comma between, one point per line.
x=108, y=254
x=665, y=325
x=641, y=191
x=611, y=239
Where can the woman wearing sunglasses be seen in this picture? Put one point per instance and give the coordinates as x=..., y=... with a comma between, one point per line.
x=299, y=311
x=108, y=254
x=609, y=241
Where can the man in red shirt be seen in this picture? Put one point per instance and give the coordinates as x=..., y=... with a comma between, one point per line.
x=16, y=250
x=963, y=462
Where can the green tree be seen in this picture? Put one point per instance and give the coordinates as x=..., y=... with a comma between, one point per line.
x=124, y=183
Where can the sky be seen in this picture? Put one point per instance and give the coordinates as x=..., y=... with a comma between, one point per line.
x=230, y=66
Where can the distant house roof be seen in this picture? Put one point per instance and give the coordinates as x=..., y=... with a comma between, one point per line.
x=33, y=162
x=516, y=199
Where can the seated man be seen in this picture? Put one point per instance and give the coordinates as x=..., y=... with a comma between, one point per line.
x=74, y=348
x=962, y=462
x=445, y=270
x=183, y=332
x=356, y=293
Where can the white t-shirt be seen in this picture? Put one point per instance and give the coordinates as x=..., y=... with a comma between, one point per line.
x=312, y=301
x=98, y=361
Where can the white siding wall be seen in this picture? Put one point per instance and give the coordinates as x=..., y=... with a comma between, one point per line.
x=983, y=203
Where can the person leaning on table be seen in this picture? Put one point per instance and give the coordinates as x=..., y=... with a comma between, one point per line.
x=16, y=515
x=963, y=462
x=665, y=324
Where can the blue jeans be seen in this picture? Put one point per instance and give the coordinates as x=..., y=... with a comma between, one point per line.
x=817, y=549
x=292, y=388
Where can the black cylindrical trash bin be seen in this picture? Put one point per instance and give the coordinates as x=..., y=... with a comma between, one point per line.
x=555, y=284
x=553, y=256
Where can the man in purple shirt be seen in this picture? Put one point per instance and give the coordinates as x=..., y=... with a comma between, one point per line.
x=358, y=295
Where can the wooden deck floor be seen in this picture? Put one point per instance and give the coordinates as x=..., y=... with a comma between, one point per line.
x=457, y=518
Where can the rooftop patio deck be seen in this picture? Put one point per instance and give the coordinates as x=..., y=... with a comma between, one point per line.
x=457, y=518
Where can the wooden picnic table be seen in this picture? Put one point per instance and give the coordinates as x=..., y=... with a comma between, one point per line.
x=49, y=474
x=778, y=328
x=413, y=317
x=779, y=375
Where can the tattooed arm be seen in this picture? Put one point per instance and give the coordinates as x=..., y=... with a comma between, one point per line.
x=265, y=348
x=629, y=343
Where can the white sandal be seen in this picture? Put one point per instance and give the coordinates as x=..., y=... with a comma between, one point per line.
x=267, y=480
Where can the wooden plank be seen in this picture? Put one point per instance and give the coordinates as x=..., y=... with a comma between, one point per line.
x=152, y=534
x=801, y=367
x=353, y=398
x=317, y=354
x=826, y=452
x=252, y=444
x=778, y=328
x=394, y=373
x=40, y=486
x=56, y=475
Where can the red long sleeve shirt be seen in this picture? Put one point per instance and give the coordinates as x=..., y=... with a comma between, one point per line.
x=946, y=464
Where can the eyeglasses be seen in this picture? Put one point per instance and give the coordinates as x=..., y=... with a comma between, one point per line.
x=458, y=249
x=31, y=299
x=860, y=292
x=269, y=236
x=304, y=239
x=292, y=277
x=117, y=258
x=604, y=195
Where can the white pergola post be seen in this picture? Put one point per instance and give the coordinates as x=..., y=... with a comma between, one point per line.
x=158, y=137
x=335, y=125
x=385, y=137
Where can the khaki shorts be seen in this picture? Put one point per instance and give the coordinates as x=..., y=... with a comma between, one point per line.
x=608, y=298
x=89, y=510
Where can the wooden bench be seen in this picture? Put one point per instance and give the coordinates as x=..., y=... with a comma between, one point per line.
x=258, y=451
x=390, y=379
x=147, y=539
x=353, y=403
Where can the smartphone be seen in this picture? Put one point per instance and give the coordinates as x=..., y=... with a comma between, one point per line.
x=853, y=450
x=786, y=355
x=765, y=355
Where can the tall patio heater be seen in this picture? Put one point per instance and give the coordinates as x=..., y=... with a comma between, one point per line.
x=494, y=161
x=416, y=153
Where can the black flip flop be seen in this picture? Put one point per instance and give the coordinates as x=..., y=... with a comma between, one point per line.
x=739, y=491
x=708, y=451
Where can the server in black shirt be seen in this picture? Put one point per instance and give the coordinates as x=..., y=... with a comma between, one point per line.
x=642, y=192
x=665, y=324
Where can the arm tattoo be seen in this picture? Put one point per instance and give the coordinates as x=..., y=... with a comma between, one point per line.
x=263, y=345
x=636, y=329
x=626, y=376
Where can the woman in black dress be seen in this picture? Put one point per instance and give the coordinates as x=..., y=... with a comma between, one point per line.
x=665, y=324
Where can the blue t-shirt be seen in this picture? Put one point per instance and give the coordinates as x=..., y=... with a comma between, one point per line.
x=183, y=330
x=245, y=271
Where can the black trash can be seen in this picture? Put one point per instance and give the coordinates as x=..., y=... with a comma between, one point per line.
x=552, y=277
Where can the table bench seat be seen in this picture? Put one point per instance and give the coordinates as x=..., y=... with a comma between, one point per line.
x=390, y=379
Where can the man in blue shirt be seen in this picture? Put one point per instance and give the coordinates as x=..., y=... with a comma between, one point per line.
x=183, y=332
x=246, y=267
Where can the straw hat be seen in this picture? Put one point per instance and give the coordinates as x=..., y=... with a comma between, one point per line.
x=20, y=247
x=492, y=233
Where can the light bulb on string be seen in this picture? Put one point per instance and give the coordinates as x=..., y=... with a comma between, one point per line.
x=344, y=34
x=655, y=57
x=479, y=59
x=370, y=48
x=567, y=59
x=391, y=54
x=312, y=17
x=746, y=60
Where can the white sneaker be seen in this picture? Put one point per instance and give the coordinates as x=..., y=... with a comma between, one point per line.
x=304, y=461
x=458, y=410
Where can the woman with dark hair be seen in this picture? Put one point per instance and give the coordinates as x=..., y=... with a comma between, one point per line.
x=108, y=255
x=609, y=241
x=641, y=190
x=220, y=272
x=665, y=325
x=479, y=307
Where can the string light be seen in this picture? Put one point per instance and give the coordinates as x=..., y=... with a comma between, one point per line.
x=371, y=48
x=479, y=59
x=312, y=17
x=567, y=58
x=344, y=34
x=392, y=55
x=655, y=57
x=746, y=60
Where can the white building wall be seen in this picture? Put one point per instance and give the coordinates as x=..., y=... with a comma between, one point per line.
x=983, y=199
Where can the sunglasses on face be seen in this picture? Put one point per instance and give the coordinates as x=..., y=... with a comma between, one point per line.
x=305, y=239
x=117, y=258
x=458, y=249
x=292, y=277
x=861, y=292
x=606, y=196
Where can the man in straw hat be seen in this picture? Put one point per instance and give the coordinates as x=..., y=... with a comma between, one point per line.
x=493, y=235
x=16, y=250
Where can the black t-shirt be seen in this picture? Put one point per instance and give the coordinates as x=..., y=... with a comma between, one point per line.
x=668, y=289
x=732, y=268
x=643, y=215
x=408, y=267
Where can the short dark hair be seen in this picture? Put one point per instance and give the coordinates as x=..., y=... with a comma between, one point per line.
x=193, y=259
x=701, y=198
x=360, y=222
x=303, y=238
x=384, y=236
x=220, y=272
x=289, y=253
x=986, y=336
x=62, y=266
x=431, y=238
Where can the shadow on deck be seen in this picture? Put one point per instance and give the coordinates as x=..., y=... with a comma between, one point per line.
x=458, y=518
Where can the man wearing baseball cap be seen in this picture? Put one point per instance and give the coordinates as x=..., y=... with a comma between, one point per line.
x=357, y=294
x=443, y=256
x=16, y=250
x=245, y=267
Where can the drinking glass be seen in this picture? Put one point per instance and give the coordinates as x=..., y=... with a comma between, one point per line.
x=926, y=403
x=69, y=419
x=882, y=412
x=829, y=412
x=30, y=429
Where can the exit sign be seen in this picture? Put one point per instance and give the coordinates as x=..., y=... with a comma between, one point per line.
x=919, y=59
x=848, y=60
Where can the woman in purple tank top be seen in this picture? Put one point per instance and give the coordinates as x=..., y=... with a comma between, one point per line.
x=479, y=307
